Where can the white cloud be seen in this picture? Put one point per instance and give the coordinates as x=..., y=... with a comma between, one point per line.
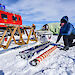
x=48, y=10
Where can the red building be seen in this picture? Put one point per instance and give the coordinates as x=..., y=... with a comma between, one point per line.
x=9, y=18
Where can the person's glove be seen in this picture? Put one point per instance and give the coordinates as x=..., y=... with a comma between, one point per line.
x=56, y=41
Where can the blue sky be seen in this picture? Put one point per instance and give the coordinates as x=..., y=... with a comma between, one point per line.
x=41, y=12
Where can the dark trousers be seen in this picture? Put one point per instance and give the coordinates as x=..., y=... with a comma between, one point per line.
x=68, y=39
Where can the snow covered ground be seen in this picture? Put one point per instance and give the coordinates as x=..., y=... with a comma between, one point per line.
x=58, y=63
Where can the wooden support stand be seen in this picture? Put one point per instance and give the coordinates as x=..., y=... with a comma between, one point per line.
x=30, y=33
x=12, y=30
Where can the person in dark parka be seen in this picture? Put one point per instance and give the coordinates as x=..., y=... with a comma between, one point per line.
x=68, y=32
x=45, y=27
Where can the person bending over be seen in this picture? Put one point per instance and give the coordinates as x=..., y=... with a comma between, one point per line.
x=67, y=30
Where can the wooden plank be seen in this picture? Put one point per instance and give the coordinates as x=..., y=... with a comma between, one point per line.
x=26, y=32
x=21, y=39
x=35, y=35
x=11, y=37
x=29, y=36
x=1, y=39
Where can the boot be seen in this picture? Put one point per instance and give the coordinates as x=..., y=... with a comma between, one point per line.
x=65, y=48
x=74, y=44
x=71, y=45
